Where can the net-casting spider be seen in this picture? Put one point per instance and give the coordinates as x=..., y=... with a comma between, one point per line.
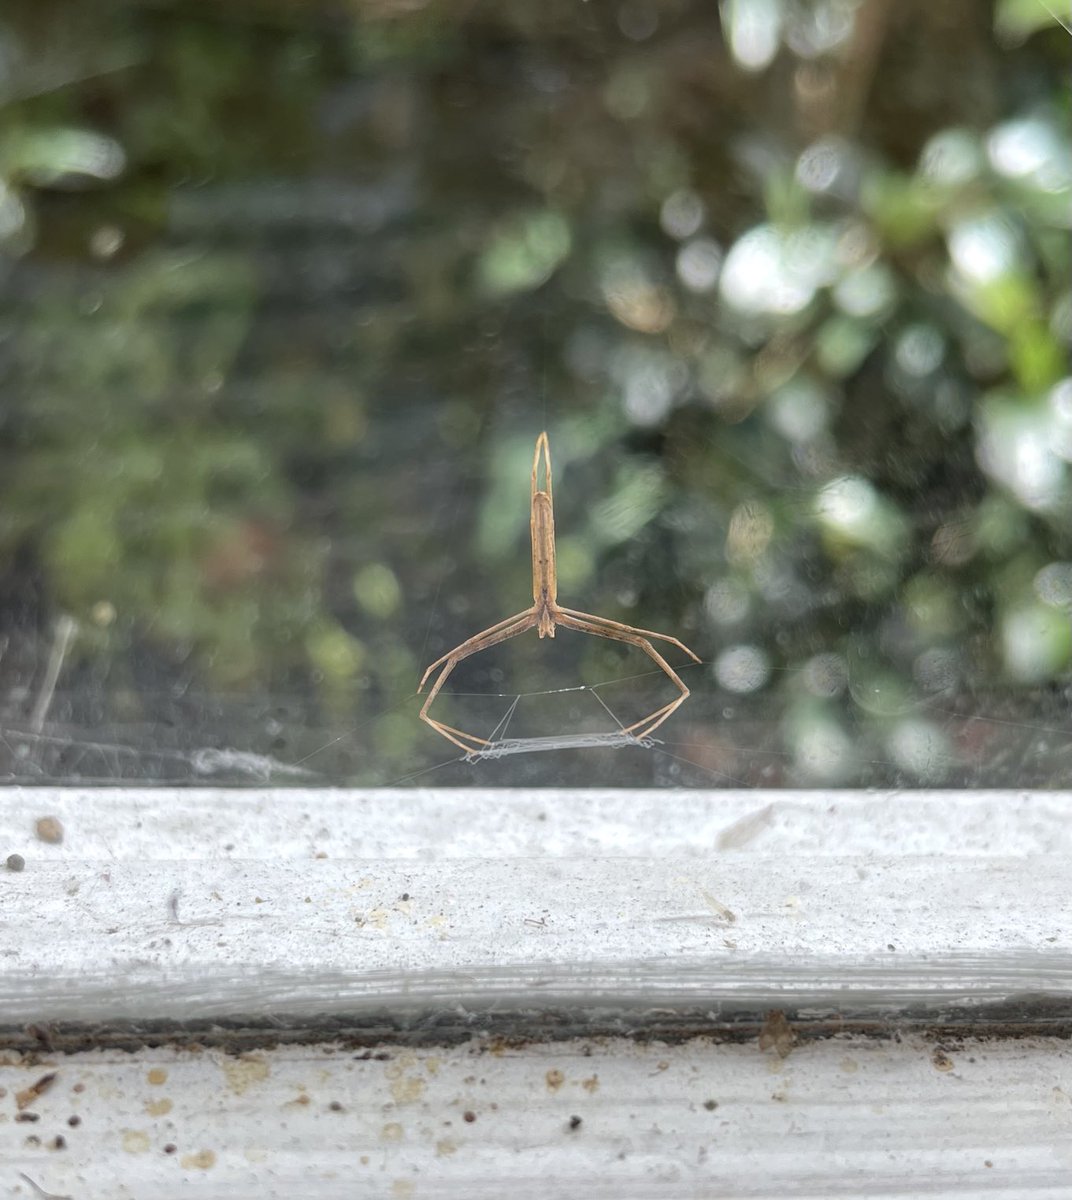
x=544, y=615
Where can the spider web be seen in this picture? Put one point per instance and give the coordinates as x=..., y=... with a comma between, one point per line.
x=500, y=746
x=51, y=737
x=58, y=750
x=54, y=744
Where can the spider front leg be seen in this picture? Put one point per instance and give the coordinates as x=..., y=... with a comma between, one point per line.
x=492, y=636
x=471, y=645
x=617, y=632
x=646, y=633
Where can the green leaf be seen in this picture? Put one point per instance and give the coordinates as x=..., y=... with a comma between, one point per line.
x=1036, y=356
x=523, y=254
x=842, y=345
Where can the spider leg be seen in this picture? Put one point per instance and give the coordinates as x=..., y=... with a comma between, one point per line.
x=647, y=633
x=625, y=633
x=501, y=632
x=656, y=719
x=469, y=646
x=452, y=735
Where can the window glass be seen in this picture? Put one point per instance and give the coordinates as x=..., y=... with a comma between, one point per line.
x=289, y=291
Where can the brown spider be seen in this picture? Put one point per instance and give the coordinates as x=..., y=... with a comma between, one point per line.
x=544, y=615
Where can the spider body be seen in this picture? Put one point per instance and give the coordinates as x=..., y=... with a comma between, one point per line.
x=542, y=528
x=544, y=615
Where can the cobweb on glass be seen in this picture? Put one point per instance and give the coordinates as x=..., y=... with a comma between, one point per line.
x=52, y=747
x=501, y=746
x=611, y=740
x=31, y=756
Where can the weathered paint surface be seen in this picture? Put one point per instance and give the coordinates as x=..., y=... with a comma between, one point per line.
x=609, y=1119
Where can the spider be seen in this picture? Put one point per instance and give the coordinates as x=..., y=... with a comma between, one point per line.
x=544, y=615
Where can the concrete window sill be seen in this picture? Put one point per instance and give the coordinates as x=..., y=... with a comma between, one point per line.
x=897, y=966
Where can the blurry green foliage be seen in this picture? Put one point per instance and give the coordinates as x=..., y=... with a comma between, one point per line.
x=290, y=289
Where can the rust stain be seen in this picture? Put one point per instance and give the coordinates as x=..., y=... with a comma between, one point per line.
x=941, y=1060
x=408, y=1089
x=391, y=1132
x=49, y=829
x=201, y=1161
x=241, y=1073
x=157, y=1076
x=405, y=1088
x=158, y=1108
x=445, y=1147
x=777, y=1034
x=135, y=1141
x=28, y=1095
x=555, y=1079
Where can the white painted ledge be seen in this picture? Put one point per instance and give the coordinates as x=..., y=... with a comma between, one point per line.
x=349, y=994
x=607, y=1120
x=208, y=824
x=460, y=910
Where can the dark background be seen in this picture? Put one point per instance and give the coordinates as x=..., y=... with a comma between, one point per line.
x=289, y=289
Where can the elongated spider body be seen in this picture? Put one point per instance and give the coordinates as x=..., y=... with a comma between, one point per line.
x=544, y=615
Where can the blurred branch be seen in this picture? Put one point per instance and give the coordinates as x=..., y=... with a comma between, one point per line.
x=860, y=64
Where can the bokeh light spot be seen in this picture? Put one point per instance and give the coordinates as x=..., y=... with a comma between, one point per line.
x=727, y=602
x=754, y=28
x=682, y=214
x=825, y=675
x=742, y=669
x=698, y=264
x=983, y=248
